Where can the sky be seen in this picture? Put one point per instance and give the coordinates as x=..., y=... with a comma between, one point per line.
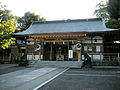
x=54, y=9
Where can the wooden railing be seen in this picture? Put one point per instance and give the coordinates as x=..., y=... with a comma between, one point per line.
x=106, y=59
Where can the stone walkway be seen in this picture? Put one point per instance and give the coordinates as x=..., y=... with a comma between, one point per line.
x=28, y=79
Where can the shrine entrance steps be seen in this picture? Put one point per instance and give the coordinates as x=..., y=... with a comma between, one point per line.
x=70, y=64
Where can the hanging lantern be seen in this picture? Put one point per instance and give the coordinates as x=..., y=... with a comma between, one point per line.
x=78, y=46
x=38, y=46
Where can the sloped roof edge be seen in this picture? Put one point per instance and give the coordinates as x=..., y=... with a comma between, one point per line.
x=65, y=26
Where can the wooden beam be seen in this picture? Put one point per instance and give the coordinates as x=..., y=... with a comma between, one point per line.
x=58, y=35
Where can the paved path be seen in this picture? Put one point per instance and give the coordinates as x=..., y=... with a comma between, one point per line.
x=86, y=79
x=4, y=66
x=28, y=79
x=33, y=78
x=7, y=68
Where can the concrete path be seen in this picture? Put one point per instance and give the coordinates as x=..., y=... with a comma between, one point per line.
x=28, y=79
x=3, y=66
x=86, y=79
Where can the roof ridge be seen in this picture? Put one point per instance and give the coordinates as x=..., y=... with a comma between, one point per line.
x=68, y=20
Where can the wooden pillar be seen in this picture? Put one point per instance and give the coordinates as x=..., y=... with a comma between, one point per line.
x=119, y=58
x=3, y=55
x=9, y=57
x=79, y=48
x=68, y=51
x=39, y=55
x=51, y=51
x=32, y=56
x=101, y=58
x=79, y=55
x=42, y=52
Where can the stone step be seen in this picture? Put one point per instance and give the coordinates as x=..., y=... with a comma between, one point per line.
x=76, y=64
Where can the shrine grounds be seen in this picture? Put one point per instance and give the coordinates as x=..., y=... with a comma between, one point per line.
x=96, y=78
x=86, y=79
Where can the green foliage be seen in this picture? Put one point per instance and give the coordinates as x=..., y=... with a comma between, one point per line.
x=113, y=23
x=5, y=14
x=114, y=12
x=7, y=27
x=114, y=8
x=26, y=20
x=101, y=11
x=17, y=24
x=110, y=12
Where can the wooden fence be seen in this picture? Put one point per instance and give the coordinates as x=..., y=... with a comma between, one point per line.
x=12, y=58
x=98, y=60
x=106, y=59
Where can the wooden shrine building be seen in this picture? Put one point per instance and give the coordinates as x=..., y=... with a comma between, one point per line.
x=57, y=40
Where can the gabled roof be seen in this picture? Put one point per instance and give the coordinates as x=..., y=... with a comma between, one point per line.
x=65, y=26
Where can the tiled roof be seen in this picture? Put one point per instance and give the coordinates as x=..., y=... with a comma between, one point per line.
x=65, y=26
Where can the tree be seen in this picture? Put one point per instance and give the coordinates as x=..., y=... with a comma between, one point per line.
x=113, y=23
x=7, y=27
x=114, y=9
x=101, y=11
x=26, y=20
x=110, y=12
x=5, y=14
x=114, y=12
